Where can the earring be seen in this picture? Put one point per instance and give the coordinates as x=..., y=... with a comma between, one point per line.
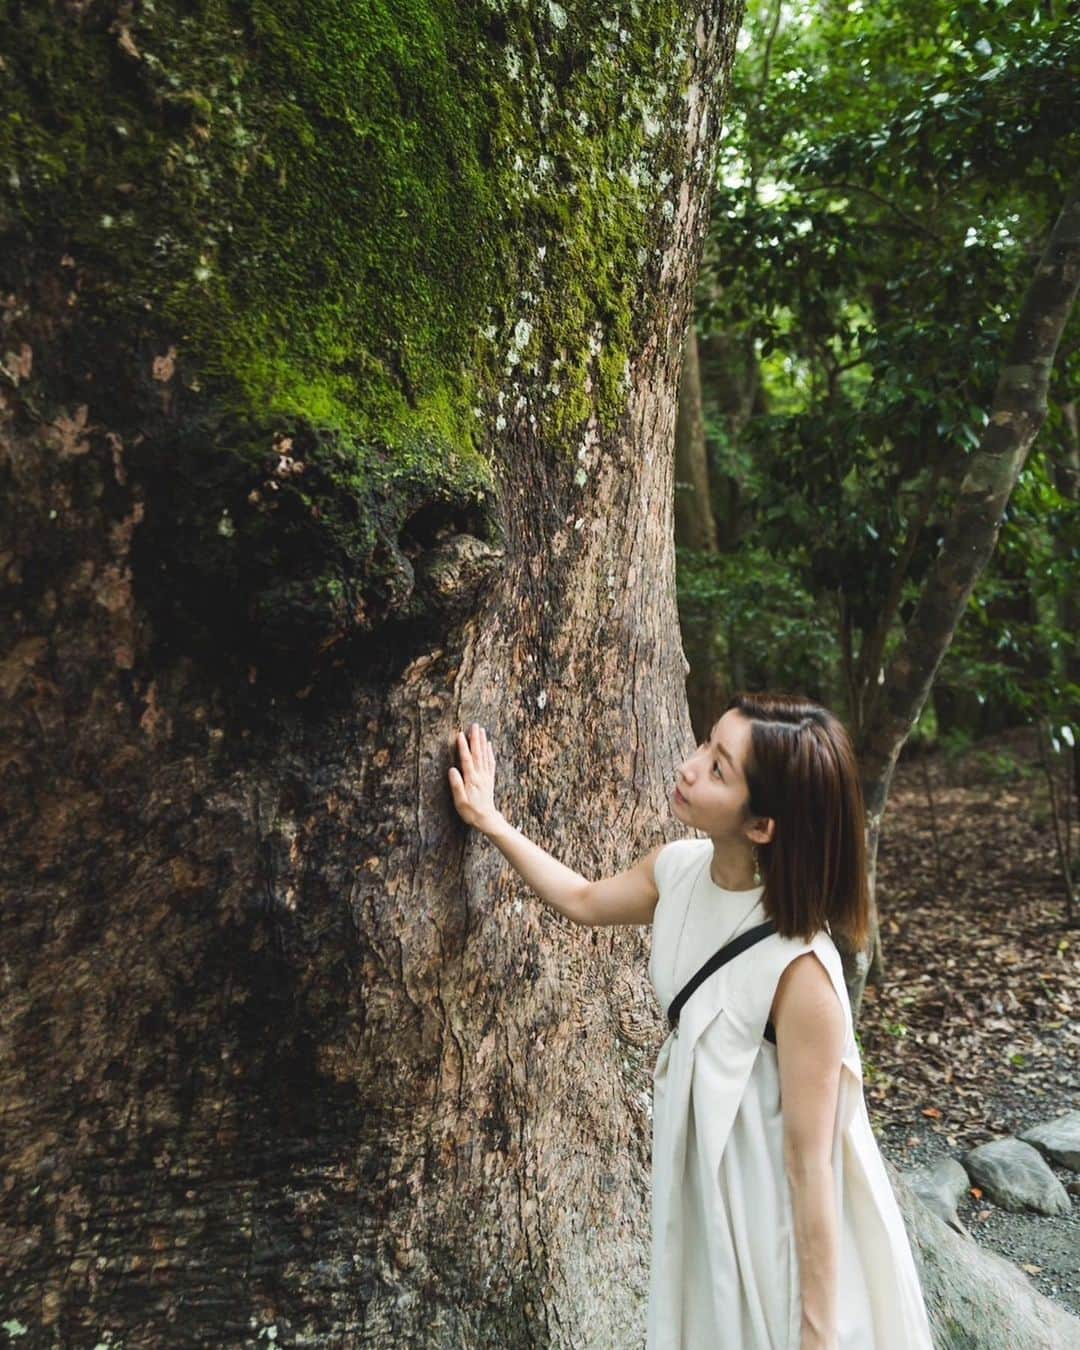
x=757, y=867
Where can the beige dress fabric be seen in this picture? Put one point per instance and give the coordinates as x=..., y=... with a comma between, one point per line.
x=724, y=1272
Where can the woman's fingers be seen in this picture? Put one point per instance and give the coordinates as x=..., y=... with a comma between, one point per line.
x=472, y=785
x=477, y=756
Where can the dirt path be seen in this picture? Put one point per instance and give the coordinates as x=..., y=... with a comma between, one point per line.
x=973, y=1036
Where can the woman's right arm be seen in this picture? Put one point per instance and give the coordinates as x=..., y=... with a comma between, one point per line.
x=629, y=897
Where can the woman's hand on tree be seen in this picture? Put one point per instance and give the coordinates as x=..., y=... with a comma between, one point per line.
x=473, y=786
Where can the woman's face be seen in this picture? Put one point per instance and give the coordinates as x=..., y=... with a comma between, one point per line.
x=710, y=791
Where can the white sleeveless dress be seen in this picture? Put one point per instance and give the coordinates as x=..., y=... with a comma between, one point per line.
x=733, y=1280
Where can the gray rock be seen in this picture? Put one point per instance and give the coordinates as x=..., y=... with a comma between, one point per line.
x=941, y=1185
x=1057, y=1139
x=977, y=1299
x=1015, y=1176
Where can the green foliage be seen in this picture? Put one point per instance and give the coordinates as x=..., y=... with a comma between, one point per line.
x=774, y=629
x=1012, y=647
x=887, y=178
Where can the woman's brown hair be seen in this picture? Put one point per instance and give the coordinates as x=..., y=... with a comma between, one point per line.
x=801, y=771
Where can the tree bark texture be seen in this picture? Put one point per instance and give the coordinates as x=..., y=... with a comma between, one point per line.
x=288, y=1054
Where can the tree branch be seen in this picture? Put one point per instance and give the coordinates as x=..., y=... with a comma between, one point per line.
x=869, y=192
x=766, y=61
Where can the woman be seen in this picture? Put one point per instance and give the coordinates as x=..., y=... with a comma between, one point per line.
x=774, y=1226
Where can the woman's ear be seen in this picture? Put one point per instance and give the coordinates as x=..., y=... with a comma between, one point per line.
x=762, y=830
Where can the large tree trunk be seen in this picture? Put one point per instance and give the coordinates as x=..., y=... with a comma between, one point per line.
x=340, y=372
x=288, y=1055
x=1016, y=414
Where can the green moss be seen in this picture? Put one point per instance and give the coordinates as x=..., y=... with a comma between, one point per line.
x=411, y=227
x=335, y=200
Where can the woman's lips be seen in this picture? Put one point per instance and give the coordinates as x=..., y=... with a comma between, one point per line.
x=679, y=797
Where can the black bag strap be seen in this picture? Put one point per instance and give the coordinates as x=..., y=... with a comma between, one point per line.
x=731, y=949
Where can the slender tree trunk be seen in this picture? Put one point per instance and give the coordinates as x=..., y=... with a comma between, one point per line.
x=1066, y=471
x=1016, y=414
x=695, y=527
x=863, y=675
x=1060, y=827
x=731, y=386
x=721, y=374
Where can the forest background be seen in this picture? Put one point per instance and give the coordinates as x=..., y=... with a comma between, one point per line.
x=888, y=176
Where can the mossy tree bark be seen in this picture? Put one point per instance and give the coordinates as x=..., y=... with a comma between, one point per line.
x=340, y=357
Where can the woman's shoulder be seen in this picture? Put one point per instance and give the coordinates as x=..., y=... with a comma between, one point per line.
x=677, y=859
x=787, y=948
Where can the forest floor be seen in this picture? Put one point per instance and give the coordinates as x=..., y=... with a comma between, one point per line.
x=973, y=1035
